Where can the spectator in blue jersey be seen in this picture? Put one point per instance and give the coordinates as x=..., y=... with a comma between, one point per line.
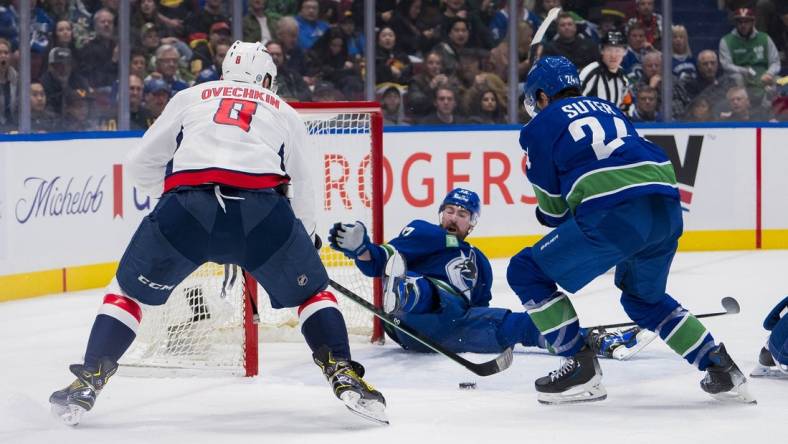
x=310, y=27
x=499, y=24
x=9, y=23
x=637, y=47
x=773, y=358
x=611, y=200
x=156, y=94
x=355, y=40
x=683, y=61
x=446, y=289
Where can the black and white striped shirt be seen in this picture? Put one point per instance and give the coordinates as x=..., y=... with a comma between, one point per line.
x=596, y=80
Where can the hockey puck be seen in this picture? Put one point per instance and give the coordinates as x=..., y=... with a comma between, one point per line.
x=467, y=386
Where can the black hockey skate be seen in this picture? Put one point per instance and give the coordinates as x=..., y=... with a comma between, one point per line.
x=346, y=381
x=619, y=344
x=579, y=379
x=73, y=401
x=724, y=380
x=768, y=368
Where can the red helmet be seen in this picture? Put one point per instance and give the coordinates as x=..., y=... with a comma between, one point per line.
x=744, y=13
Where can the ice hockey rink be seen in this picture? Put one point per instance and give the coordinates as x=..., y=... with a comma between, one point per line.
x=654, y=398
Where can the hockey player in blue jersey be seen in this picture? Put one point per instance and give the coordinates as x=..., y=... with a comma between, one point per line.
x=224, y=154
x=445, y=293
x=612, y=199
x=773, y=358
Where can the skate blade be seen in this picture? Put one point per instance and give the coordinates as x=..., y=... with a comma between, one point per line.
x=591, y=391
x=368, y=409
x=739, y=393
x=69, y=414
x=768, y=373
x=642, y=339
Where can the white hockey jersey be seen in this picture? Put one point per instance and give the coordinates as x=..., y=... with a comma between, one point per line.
x=228, y=133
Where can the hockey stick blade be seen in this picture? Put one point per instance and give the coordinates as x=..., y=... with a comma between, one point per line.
x=497, y=365
x=540, y=32
x=730, y=305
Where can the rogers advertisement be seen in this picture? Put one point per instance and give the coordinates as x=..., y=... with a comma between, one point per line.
x=65, y=202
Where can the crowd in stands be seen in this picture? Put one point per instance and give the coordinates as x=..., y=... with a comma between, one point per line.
x=436, y=61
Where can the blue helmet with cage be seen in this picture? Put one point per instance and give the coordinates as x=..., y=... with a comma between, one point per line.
x=466, y=199
x=552, y=75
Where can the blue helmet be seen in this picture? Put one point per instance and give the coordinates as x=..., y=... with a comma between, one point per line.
x=552, y=75
x=206, y=75
x=466, y=199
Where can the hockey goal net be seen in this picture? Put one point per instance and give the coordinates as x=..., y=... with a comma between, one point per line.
x=208, y=326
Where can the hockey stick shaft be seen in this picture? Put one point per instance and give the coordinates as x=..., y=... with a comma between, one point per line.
x=499, y=364
x=730, y=305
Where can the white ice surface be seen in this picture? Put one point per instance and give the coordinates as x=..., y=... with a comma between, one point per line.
x=655, y=398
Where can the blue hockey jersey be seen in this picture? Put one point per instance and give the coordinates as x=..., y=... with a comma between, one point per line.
x=584, y=154
x=449, y=263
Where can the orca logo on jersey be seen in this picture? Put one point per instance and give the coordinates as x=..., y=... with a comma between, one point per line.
x=463, y=273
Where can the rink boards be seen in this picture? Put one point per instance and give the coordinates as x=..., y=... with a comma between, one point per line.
x=66, y=212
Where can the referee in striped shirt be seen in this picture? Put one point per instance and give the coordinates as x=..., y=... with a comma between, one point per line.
x=605, y=78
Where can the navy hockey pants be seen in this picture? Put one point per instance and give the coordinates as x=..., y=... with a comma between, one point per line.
x=639, y=237
x=256, y=230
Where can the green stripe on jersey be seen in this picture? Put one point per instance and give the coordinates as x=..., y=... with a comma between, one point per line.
x=686, y=336
x=607, y=181
x=553, y=315
x=389, y=250
x=552, y=205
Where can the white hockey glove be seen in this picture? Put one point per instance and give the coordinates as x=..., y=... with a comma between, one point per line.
x=350, y=239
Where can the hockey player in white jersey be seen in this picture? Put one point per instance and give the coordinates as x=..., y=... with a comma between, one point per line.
x=226, y=155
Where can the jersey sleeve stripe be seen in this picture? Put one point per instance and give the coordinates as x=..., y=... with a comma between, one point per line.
x=550, y=204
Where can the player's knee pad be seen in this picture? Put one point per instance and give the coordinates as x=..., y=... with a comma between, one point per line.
x=527, y=279
x=778, y=341
x=648, y=314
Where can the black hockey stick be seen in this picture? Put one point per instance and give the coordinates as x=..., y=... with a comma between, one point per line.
x=499, y=364
x=730, y=305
